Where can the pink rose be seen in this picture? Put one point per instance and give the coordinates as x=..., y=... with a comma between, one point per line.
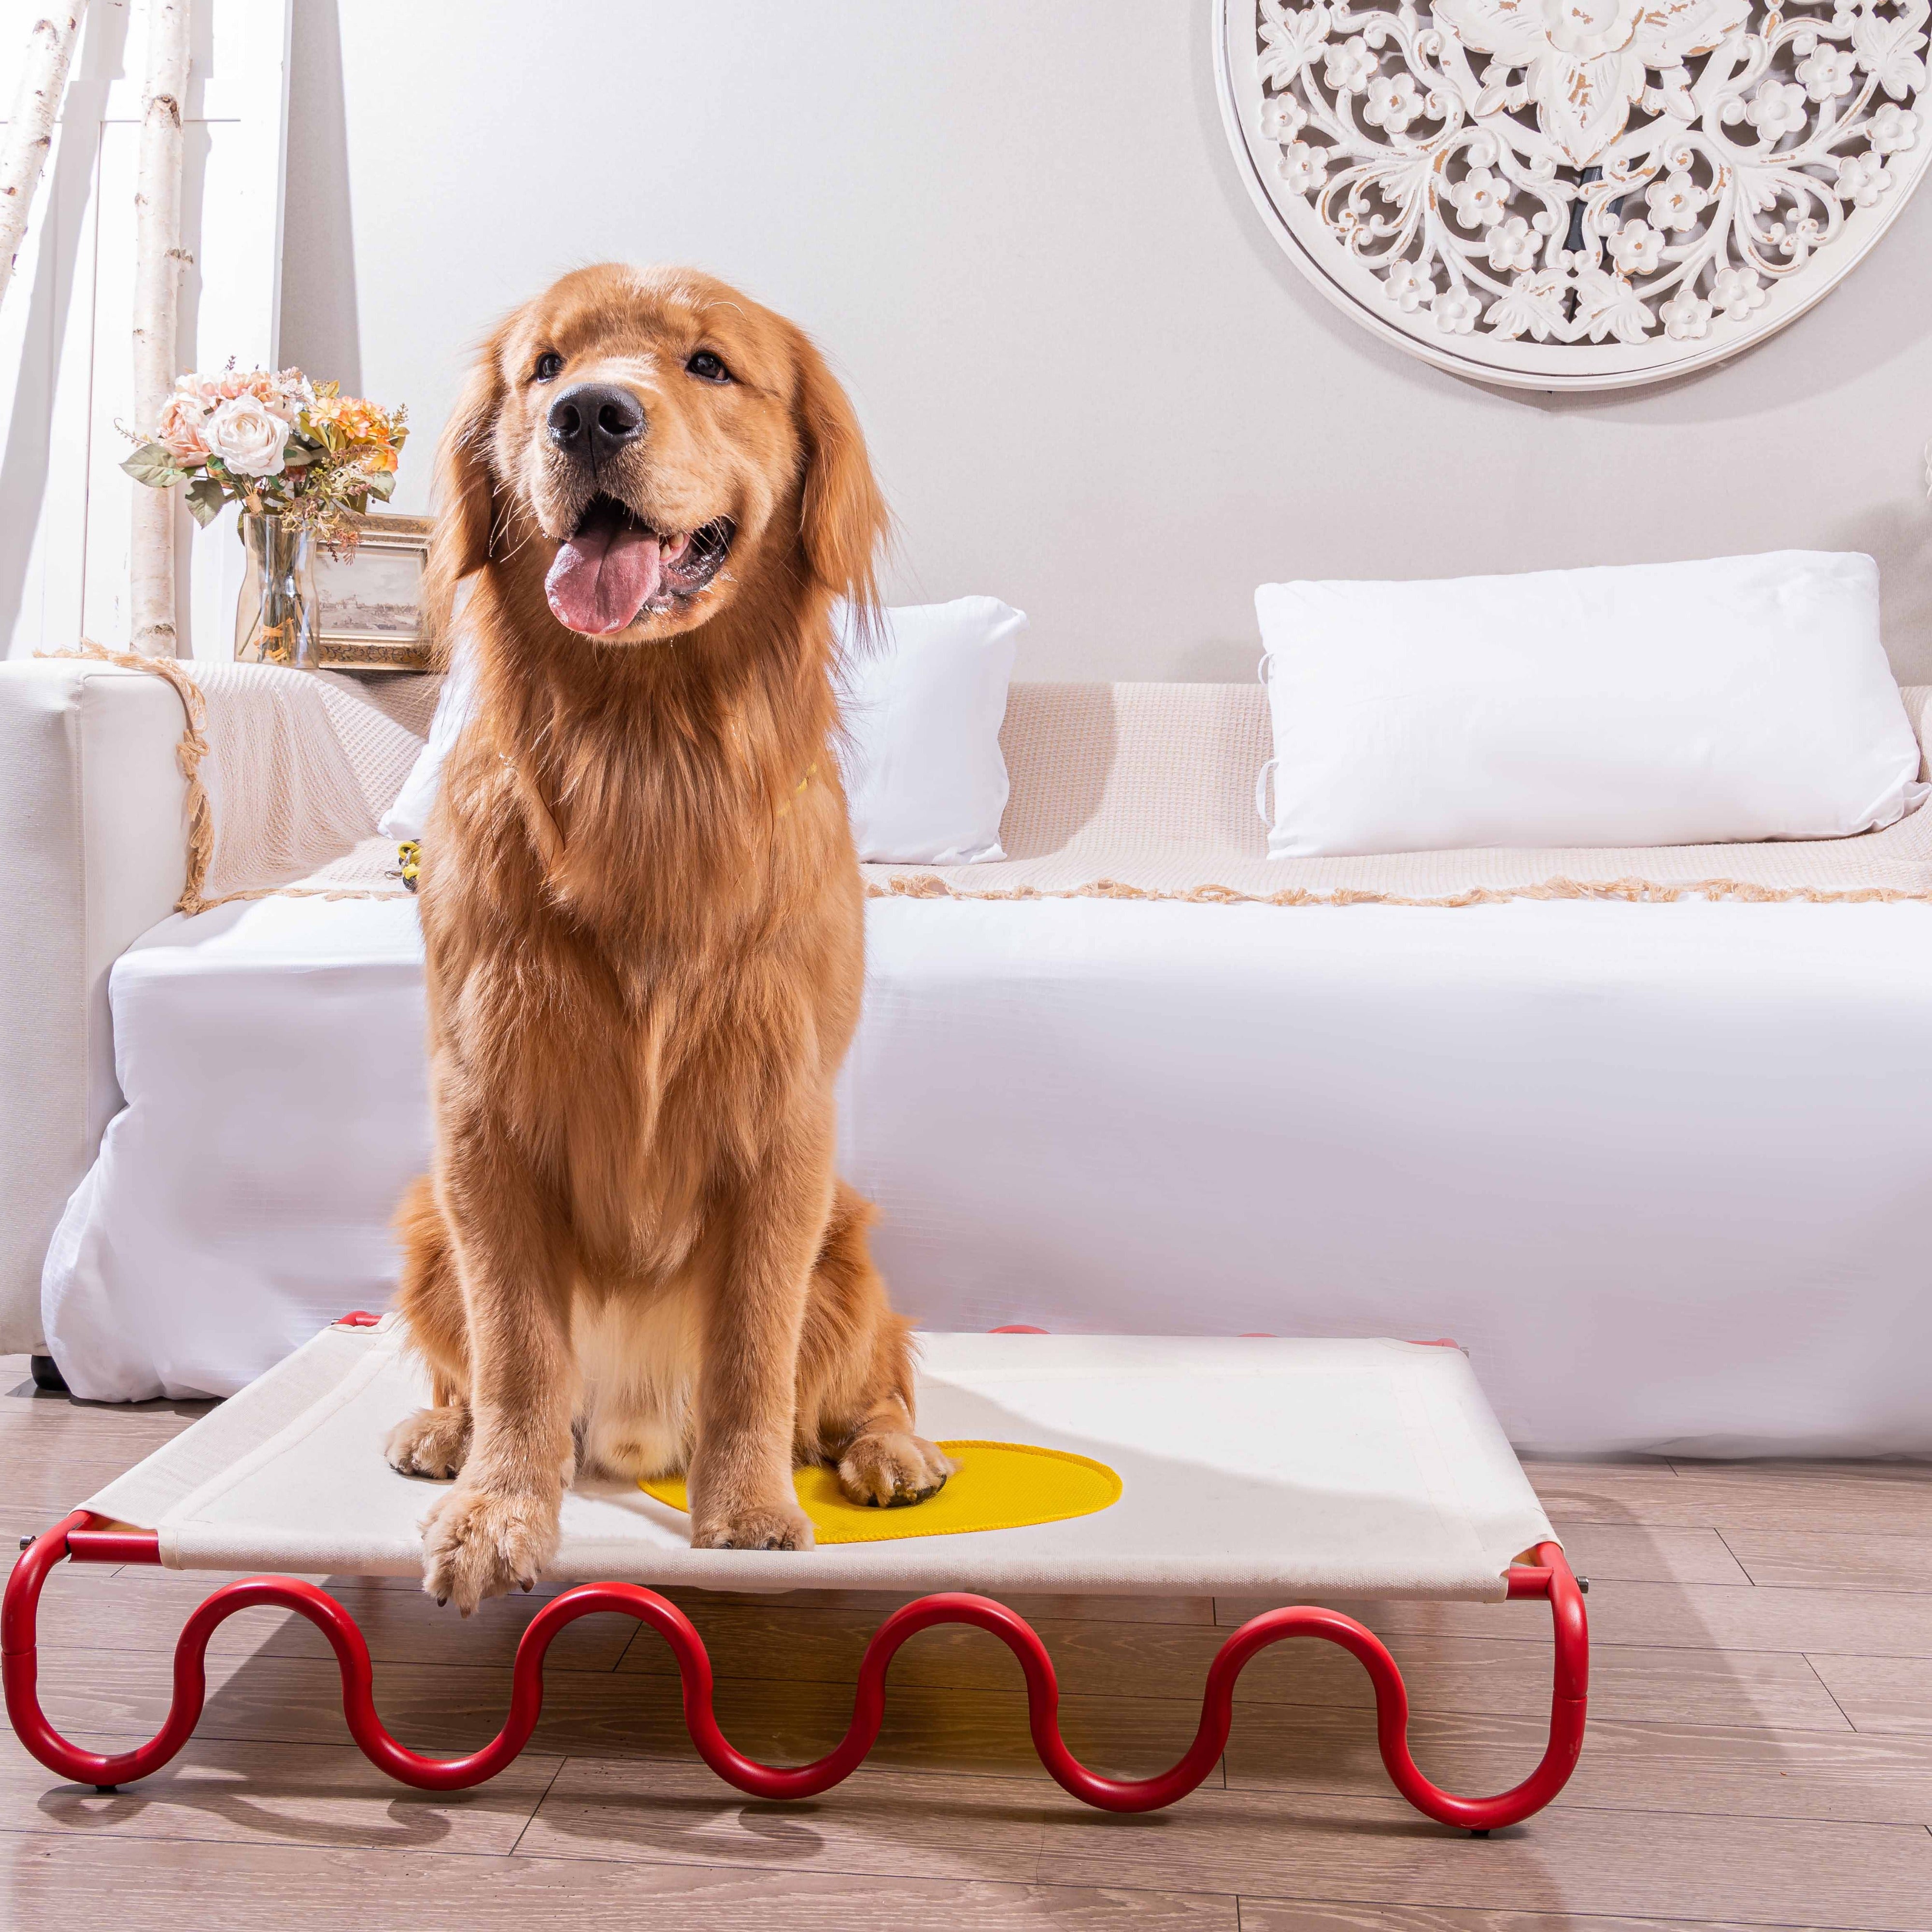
x=180, y=433
x=281, y=395
x=204, y=390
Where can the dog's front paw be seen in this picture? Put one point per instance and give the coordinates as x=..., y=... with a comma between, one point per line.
x=478, y=1543
x=891, y=1468
x=772, y=1525
x=432, y=1442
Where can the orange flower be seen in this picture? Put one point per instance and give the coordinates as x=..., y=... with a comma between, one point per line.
x=357, y=421
x=373, y=437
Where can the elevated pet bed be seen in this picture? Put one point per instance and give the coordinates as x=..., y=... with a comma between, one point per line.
x=1251, y=1467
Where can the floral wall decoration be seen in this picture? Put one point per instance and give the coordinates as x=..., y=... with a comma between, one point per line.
x=1576, y=193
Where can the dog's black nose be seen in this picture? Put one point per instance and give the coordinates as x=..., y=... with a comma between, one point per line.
x=595, y=419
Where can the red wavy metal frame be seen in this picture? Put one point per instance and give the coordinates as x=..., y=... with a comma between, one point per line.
x=1548, y=1578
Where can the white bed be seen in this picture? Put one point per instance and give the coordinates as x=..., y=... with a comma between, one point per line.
x=1276, y=1468
x=1666, y=1170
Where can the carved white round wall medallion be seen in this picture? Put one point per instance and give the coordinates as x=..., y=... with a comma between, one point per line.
x=1576, y=194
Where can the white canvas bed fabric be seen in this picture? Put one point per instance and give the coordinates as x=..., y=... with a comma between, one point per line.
x=1666, y=1170
x=1304, y=1468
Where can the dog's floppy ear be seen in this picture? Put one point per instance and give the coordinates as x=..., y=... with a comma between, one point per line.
x=844, y=517
x=465, y=492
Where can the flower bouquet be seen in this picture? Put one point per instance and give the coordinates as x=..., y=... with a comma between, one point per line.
x=304, y=462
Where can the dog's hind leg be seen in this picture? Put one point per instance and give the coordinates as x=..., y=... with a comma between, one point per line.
x=856, y=1372
x=434, y=1441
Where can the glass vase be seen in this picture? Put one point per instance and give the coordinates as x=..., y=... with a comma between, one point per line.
x=275, y=616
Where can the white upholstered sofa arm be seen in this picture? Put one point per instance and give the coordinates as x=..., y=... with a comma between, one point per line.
x=94, y=847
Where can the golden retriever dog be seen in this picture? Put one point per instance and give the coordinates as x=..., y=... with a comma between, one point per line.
x=643, y=922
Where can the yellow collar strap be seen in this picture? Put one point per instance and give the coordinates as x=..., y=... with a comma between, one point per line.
x=811, y=772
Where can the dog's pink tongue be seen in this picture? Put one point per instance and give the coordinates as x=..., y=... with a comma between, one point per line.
x=602, y=577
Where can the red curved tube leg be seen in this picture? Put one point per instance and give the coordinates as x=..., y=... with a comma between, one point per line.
x=1552, y=1578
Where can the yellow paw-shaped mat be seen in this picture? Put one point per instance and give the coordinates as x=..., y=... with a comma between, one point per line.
x=998, y=1486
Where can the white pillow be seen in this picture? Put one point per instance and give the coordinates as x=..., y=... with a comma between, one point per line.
x=1655, y=704
x=922, y=707
x=407, y=817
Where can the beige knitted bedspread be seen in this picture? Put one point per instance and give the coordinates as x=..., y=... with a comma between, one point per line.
x=1126, y=791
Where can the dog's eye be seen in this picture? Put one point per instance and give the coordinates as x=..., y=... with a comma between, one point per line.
x=549, y=365
x=708, y=367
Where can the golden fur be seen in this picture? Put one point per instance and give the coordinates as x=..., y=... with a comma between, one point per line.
x=644, y=924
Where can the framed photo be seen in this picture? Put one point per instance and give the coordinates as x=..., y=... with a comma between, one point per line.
x=369, y=603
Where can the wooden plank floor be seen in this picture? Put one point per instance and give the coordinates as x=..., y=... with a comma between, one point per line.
x=1759, y=1754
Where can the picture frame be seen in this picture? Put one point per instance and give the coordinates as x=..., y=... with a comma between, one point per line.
x=369, y=601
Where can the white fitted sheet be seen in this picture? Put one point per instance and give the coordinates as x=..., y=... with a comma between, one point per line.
x=1665, y=1170
x=1357, y=1468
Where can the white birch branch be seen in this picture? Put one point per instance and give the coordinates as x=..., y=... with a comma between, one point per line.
x=31, y=132
x=158, y=262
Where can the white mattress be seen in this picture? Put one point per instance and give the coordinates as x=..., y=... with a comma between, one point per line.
x=1665, y=1170
x=1355, y=1468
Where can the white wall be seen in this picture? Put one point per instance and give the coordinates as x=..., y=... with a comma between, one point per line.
x=1092, y=384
